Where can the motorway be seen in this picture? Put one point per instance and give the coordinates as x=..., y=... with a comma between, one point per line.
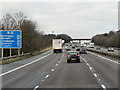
x=50, y=70
x=116, y=52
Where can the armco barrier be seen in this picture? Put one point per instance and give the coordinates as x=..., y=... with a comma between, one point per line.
x=4, y=58
x=106, y=54
x=14, y=58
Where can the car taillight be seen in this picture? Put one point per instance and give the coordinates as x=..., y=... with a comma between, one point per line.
x=80, y=50
x=68, y=55
x=77, y=55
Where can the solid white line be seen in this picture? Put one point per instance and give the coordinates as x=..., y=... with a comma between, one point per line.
x=95, y=75
x=103, y=86
x=47, y=76
x=104, y=58
x=36, y=87
x=23, y=65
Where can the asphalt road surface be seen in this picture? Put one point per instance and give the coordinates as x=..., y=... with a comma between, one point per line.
x=116, y=52
x=72, y=75
x=52, y=71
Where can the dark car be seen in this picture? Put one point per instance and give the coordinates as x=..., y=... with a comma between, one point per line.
x=73, y=56
x=110, y=49
x=78, y=49
x=73, y=46
x=82, y=50
x=98, y=48
x=67, y=49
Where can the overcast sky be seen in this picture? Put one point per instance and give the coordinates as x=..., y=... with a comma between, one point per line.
x=77, y=19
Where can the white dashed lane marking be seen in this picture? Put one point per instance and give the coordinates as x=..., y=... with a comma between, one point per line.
x=95, y=75
x=103, y=86
x=52, y=70
x=36, y=87
x=56, y=64
x=47, y=76
x=90, y=68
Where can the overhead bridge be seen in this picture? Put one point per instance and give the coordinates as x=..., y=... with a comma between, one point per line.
x=80, y=39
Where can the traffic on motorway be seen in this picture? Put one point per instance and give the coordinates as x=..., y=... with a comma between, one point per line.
x=55, y=44
x=65, y=66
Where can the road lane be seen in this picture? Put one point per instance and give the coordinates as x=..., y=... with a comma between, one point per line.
x=71, y=75
x=107, y=71
x=116, y=52
x=31, y=75
x=13, y=65
x=67, y=75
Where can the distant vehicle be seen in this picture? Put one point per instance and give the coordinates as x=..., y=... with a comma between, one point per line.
x=98, y=48
x=57, y=45
x=82, y=50
x=88, y=46
x=73, y=46
x=66, y=44
x=78, y=49
x=91, y=45
x=73, y=56
x=85, y=45
x=82, y=44
x=67, y=49
x=110, y=49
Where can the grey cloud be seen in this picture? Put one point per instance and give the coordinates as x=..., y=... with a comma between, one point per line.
x=76, y=19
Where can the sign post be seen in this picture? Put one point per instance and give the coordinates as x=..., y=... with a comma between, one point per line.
x=2, y=52
x=10, y=39
x=18, y=51
x=10, y=52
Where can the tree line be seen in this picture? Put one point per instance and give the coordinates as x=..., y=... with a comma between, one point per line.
x=111, y=39
x=33, y=39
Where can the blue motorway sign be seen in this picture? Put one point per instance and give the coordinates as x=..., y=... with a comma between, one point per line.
x=10, y=39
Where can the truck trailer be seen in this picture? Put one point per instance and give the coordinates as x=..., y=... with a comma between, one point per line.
x=57, y=45
x=91, y=45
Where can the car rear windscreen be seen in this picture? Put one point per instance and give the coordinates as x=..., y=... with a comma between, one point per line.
x=73, y=53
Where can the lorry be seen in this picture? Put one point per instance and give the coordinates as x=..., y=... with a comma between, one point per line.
x=82, y=45
x=91, y=45
x=57, y=45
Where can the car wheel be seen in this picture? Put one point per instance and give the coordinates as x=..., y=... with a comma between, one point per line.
x=68, y=62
